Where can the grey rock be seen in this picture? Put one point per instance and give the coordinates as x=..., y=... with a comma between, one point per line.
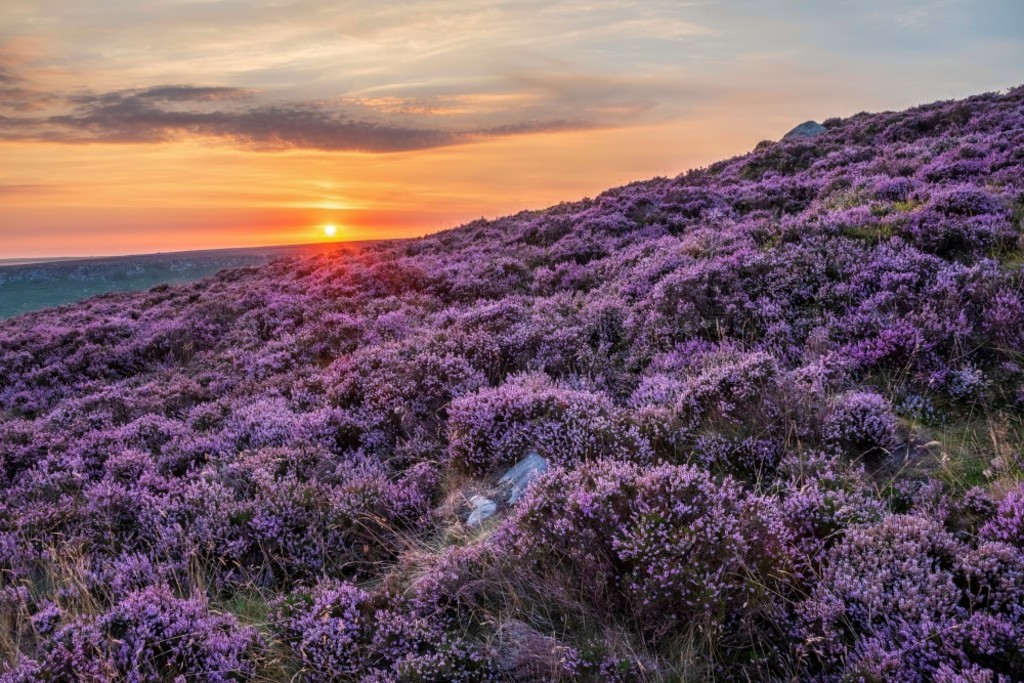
x=483, y=509
x=519, y=476
x=807, y=129
x=509, y=489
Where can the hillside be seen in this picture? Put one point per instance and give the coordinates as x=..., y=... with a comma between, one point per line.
x=781, y=398
x=30, y=285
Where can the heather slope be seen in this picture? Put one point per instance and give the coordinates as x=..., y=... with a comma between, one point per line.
x=781, y=395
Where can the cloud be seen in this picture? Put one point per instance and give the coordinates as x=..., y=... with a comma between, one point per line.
x=415, y=74
x=17, y=99
x=25, y=188
x=344, y=75
x=15, y=93
x=163, y=93
x=169, y=112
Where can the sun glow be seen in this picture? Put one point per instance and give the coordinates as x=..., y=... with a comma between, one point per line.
x=330, y=230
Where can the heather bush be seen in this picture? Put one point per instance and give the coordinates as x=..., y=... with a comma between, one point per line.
x=342, y=632
x=306, y=513
x=861, y=424
x=202, y=521
x=682, y=408
x=1007, y=524
x=970, y=235
x=887, y=594
x=748, y=459
x=904, y=600
x=733, y=388
x=992, y=576
x=495, y=427
x=894, y=189
x=150, y=635
x=668, y=547
x=820, y=497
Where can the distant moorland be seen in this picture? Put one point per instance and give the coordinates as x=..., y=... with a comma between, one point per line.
x=33, y=284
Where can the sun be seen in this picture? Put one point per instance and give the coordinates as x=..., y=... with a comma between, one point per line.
x=330, y=230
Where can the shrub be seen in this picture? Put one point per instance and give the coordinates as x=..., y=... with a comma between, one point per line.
x=668, y=546
x=495, y=427
x=821, y=497
x=884, y=603
x=894, y=189
x=342, y=632
x=1007, y=526
x=149, y=636
x=862, y=424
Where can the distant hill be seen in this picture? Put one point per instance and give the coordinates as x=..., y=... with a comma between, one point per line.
x=772, y=411
x=30, y=261
x=33, y=284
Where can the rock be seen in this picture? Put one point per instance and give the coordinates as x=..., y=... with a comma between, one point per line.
x=807, y=129
x=508, y=490
x=519, y=476
x=483, y=508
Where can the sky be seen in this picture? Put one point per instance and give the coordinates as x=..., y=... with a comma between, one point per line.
x=134, y=126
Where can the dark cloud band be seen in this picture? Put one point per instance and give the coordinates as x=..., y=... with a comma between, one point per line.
x=170, y=112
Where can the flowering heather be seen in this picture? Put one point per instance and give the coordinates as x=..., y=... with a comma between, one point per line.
x=669, y=546
x=341, y=631
x=781, y=398
x=494, y=427
x=861, y=423
x=903, y=599
x=148, y=636
x=1008, y=523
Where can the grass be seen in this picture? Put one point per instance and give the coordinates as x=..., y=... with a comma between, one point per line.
x=980, y=450
x=1012, y=260
x=873, y=234
x=907, y=206
x=252, y=607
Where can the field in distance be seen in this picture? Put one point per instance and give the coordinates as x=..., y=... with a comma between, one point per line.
x=33, y=284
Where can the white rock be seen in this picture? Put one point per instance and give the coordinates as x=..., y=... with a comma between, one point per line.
x=482, y=509
x=522, y=473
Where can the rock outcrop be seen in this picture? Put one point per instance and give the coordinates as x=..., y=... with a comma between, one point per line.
x=807, y=129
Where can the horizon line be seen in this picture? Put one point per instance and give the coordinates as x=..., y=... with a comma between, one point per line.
x=36, y=260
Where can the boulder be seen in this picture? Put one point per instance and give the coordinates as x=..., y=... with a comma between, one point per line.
x=519, y=476
x=483, y=509
x=807, y=129
x=509, y=489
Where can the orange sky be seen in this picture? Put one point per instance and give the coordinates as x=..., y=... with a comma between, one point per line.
x=103, y=198
x=136, y=127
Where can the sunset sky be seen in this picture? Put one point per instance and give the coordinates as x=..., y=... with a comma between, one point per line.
x=131, y=126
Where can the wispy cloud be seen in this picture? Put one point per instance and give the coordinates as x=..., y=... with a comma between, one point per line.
x=339, y=75
x=234, y=115
x=26, y=188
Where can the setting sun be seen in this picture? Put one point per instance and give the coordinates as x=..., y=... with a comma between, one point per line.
x=330, y=230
